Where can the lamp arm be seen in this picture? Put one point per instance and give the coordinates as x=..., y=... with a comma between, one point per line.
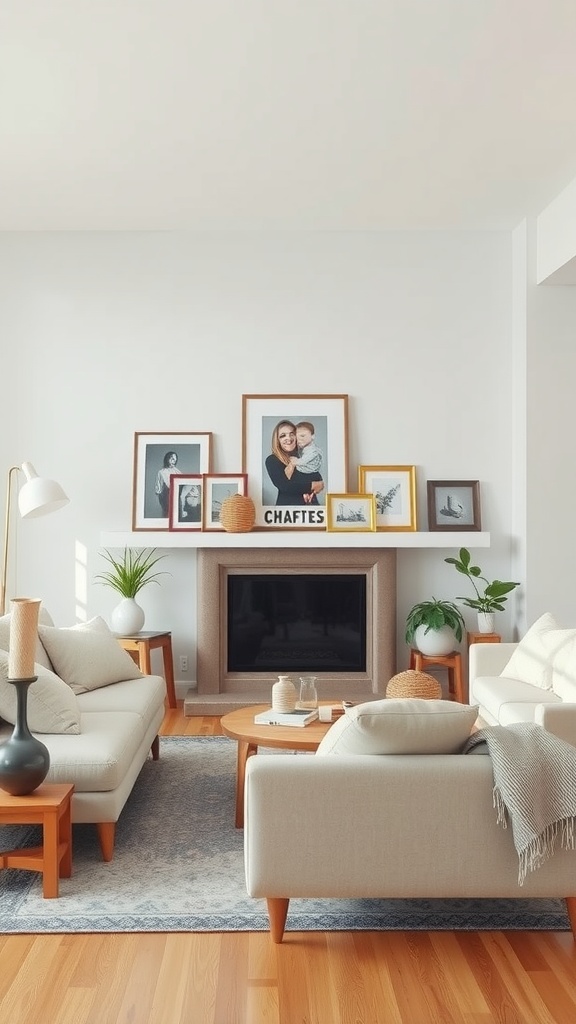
x=13, y=469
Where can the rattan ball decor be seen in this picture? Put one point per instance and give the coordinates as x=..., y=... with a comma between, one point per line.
x=414, y=684
x=237, y=513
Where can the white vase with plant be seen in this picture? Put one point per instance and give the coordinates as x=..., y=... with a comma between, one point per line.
x=129, y=573
x=434, y=627
x=489, y=599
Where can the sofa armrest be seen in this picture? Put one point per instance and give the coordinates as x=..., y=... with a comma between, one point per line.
x=559, y=719
x=488, y=659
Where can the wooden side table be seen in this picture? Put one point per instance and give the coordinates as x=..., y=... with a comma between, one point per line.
x=483, y=638
x=49, y=806
x=139, y=646
x=451, y=662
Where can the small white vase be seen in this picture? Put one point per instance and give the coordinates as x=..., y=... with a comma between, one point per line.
x=485, y=622
x=436, y=641
x=127, y=617
x=284, y=694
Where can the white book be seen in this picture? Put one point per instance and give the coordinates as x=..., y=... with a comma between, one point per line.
x=298, y=717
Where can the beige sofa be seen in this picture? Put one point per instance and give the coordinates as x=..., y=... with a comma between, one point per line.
x=531, y=681
x=105, y=732
x=390, y=826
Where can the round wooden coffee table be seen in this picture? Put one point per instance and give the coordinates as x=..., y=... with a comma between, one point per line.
x=240, y=726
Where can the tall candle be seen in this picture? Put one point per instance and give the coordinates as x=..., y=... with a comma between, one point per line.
x=23, y=634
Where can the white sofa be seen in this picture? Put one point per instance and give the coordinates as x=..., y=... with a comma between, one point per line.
x=105, y=733
x=531, y=681
x=390, y=826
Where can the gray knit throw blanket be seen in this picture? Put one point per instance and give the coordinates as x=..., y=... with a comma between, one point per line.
x=534, y=788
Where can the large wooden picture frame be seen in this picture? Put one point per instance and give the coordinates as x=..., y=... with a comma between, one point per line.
x=394, y=488
x=291, y=496
x=154, y=463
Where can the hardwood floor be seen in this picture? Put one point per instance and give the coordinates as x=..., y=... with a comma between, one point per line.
x=311, y=978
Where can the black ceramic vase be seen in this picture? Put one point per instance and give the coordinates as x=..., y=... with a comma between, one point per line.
x=24, y=760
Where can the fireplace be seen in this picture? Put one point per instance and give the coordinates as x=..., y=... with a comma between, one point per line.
x=336, y=601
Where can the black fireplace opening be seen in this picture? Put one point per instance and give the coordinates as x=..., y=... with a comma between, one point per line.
x=296, y=622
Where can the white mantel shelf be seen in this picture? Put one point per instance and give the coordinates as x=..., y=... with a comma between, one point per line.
x=296, y=539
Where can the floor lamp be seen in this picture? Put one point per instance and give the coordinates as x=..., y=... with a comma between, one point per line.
x=37, y=497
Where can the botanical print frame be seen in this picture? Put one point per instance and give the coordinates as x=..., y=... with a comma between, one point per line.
x=454, y=505
x=295, y=501
x=186, y=498
x=218, y=487
x=351, y=512
x=394, y=490
x=193, y=450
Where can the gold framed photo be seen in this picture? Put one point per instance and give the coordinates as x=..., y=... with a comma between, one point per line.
x=351, y=513
x=394, y=490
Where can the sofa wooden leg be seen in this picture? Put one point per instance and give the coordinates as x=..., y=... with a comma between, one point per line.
x=571, y=908
x=106, y=836
x=155, y=748
x=277, y=913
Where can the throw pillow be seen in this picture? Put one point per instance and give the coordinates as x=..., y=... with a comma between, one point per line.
x=52, y=707
x=532, y=660
x=401, y=726
x=88, y=656
x=40, y=655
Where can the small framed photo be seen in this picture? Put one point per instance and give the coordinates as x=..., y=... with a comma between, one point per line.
x=351, y=512
x=218, y=487
x=156, y=458
x=394, y=490
x=294, y=450
x=454, y=505
x=186, y=495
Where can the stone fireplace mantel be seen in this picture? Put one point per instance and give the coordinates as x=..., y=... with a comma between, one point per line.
x=297, y=539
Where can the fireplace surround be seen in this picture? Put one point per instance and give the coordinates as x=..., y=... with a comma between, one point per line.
x=220, y=690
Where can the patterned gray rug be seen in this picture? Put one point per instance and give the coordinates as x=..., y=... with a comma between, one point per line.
x=178, y=866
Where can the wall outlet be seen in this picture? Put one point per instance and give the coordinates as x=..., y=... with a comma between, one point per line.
x=183, y=662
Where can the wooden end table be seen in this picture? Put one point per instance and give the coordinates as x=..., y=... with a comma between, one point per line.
x=240, y=725
x=49, y=806
x=139, y=646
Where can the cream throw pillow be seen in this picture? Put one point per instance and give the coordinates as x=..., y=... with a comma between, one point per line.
x=532, y=661
x=40, y=655
x=52, y=707
x=88, y=656
x=401, y=726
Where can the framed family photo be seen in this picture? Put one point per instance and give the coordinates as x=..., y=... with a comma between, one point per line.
x=294, y=450
x=454, y=505
x=156, y=458
x=394, y=490
x=186, y=498
x=351, y=512
x=218, y=487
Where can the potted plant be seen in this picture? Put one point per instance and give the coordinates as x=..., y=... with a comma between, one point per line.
x=129, y=573
x=489, y=598
x=434, y=627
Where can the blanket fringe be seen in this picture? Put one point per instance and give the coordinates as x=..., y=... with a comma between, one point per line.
x=542, y=847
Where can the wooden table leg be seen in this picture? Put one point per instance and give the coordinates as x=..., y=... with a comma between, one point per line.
x=51, y=858
x=169, y=671
x=245, y=750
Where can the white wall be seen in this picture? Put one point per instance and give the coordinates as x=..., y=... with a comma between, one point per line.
x=109, y=334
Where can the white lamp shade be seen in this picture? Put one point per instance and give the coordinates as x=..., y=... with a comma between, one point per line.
x=38, y=496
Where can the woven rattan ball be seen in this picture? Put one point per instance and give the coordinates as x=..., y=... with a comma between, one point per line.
x=414, y=684
x=237, y=513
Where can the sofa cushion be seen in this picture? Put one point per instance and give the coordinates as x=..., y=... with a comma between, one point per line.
x=51, y=706
x=509, y=700
x=97, y=760
x=88, y=655
x=401, y=726
x=564, y=670
x=532, y=660
x=40, y=655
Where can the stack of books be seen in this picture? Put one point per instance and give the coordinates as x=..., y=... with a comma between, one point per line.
x=298, y=717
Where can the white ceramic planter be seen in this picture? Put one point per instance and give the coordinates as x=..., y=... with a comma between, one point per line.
x=436, y=641
x=127, y=617
x=485, y=622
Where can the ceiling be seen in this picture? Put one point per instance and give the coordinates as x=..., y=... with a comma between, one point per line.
x=284, y=114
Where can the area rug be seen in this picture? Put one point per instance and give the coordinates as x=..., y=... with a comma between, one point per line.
x=178, y=866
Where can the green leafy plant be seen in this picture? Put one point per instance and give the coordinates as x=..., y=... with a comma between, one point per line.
x=434, y=614
x=490, y=598
x=130, y=572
